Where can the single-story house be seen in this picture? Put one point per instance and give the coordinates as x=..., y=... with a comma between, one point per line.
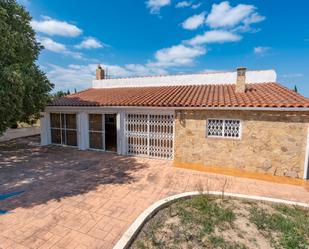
x=241, y=120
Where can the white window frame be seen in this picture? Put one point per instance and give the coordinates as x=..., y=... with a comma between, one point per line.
x=223, y=137
x=64, y=128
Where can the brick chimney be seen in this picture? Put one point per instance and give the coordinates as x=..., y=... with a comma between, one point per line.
x=100, y=74
x=241, y=80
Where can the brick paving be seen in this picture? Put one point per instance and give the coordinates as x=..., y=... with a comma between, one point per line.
x=87, y=199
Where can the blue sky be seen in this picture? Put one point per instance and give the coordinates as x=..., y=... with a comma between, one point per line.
x=148, y=37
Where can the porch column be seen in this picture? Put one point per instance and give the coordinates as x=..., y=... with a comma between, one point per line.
x=120, y=133
x=45, y=128
x=82, y=128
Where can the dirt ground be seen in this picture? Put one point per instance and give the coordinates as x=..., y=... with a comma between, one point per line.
x=208, y=222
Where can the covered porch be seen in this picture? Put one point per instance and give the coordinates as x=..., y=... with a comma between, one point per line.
x=146, y=133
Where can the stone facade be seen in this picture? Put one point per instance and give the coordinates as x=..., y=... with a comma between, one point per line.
x=271, y=142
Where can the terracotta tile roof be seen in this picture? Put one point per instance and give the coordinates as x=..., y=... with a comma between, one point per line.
x=223, y=95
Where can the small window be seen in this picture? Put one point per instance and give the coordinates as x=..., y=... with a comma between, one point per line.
x=227, y=128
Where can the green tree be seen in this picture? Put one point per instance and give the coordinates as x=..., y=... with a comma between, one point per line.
x=59, y=94
x=24, y=88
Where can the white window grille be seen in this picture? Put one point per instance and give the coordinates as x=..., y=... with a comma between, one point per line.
x=150, y=135
x=227, y=128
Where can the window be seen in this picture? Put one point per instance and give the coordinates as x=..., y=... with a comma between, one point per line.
x=227, y=128
x=63, y=129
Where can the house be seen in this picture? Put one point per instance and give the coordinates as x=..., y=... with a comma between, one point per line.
x=241, y=120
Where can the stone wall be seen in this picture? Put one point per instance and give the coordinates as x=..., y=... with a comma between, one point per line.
x=271, y=142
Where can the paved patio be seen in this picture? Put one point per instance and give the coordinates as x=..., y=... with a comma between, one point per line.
x=87, y=199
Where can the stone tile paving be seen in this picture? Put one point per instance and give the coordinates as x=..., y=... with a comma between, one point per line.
x=87, y=199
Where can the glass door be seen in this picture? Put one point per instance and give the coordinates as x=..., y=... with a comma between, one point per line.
x=63, y=129
x=96, y=132
x=110, y=132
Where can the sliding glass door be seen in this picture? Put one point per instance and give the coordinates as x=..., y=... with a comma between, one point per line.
x=63, y=129
x=96, y=132
x=103, y=132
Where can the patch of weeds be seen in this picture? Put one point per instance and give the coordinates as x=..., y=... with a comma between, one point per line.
x=219, y=242
x=141, y=245
x=153, y=233
x=291, y=225
x=203, y=211
x=207, y=222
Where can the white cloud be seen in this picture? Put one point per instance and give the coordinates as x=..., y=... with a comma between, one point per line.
x=51, y=45
x=183, y=4
x=195, y=6
x=138, y=69
x=194, y=22
x=214, y=36
x=90, y=43
x=71, y=76
x=156, y=5
x=261, y=50
x=57, y=47
x=55, y=27
x=81, y=76
x=179, y=55
x=254, y=18
x=222, y=15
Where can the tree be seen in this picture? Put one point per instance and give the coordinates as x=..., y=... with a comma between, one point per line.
x=24, y=88
x=59, y=94
x=295, y=89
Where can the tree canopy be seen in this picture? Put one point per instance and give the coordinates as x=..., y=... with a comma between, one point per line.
x=24, y=88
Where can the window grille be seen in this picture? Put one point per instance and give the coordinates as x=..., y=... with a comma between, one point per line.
x=227, y=128
x=150, y=135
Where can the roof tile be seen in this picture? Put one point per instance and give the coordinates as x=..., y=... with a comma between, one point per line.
x=256, y=95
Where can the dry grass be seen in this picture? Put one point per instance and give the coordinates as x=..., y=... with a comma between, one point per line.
x=209, y=222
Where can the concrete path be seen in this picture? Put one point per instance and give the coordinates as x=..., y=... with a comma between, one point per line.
x=21, y=132
x=87, y=199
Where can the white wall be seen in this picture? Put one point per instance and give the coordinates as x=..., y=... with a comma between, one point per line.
x=45, y=128
x=82, y=131
x=187, y=79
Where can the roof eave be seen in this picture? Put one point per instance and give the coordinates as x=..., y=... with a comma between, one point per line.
x=303, y=109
